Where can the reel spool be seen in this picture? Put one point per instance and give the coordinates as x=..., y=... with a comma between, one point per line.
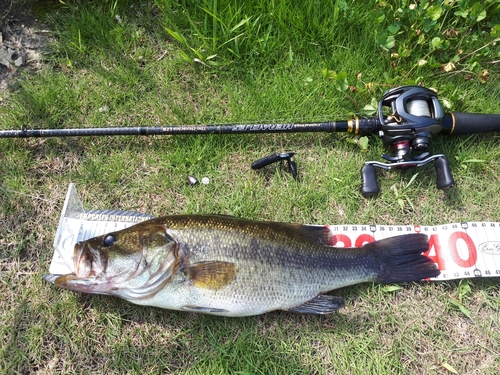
x=415, y=115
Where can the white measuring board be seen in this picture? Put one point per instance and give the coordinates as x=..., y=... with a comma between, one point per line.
x=461, y=250
x=76, y=225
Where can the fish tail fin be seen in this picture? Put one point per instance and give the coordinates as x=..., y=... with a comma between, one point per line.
x=401, y=259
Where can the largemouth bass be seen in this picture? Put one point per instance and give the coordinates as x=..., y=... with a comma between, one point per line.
x=234, y=267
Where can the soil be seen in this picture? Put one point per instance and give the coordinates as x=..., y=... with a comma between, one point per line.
x=23, y=38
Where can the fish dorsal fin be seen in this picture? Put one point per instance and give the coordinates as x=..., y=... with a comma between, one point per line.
x=321, y=304
x=314, y=233
x=211, y=275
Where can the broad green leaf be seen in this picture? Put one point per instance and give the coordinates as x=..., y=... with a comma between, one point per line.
x=447, y=104
x=395, y=189
x=434, y=12
x=389, y=42
x=230, y=40
x=379, y=17
x=185, y=56
x=372, y=107
x=473, y=161
x=341, y=76
x=393, y=29
x=435, y=42
x=340, y=80
x=198, y=54
x=461, y=13
x=495, y=31
x=363, y=143
x=478, y=12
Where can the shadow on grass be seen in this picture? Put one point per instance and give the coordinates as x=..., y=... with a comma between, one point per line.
x=453, y=197
x=168, y=341
x=67, y=332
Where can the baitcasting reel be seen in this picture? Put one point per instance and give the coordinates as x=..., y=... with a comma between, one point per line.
x=408, y=118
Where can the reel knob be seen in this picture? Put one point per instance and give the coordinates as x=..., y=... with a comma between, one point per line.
x=369, y=186
x=444, y=178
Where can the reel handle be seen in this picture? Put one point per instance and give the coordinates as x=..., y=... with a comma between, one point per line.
x=444, y=178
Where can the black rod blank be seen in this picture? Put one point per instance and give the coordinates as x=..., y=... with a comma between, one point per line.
x=453, y=123
x=175, y=130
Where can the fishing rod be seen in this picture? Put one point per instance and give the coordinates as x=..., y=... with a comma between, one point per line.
x=408, y=117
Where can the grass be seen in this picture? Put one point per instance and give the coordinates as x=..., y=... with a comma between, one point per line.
x=189, y=62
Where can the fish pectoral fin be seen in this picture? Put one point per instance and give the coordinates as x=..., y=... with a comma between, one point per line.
x=204, y=310
x=211, y=275
x=321, y=304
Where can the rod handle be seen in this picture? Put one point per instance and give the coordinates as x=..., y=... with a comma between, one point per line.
x=469, y=123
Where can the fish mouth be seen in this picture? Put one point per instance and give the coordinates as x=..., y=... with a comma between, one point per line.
x=82, y=267
x=89, y=261
x=89, y=275
x=83, y=264
x=90, y=284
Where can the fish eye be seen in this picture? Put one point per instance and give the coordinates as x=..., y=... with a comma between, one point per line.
x=109, y=240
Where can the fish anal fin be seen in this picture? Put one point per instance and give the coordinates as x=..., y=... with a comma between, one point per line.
x=211, y=275
x=321, y=304
x=204, y=310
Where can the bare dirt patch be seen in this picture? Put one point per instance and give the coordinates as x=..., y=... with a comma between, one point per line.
x=23, y=38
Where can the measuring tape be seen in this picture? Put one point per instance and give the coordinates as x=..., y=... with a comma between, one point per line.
x=461, y=250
